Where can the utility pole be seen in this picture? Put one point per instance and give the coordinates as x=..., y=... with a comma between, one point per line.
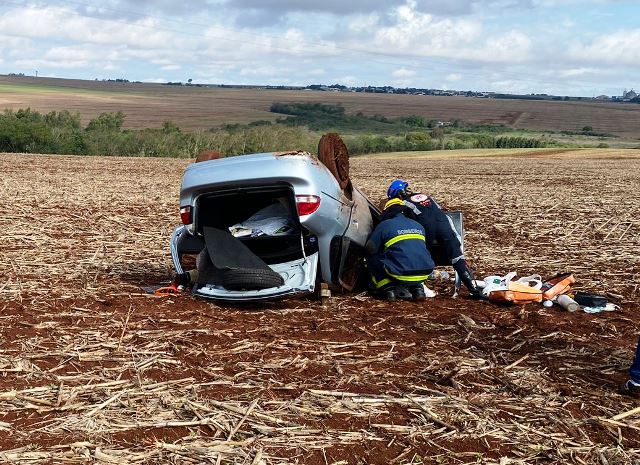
x=36, y=73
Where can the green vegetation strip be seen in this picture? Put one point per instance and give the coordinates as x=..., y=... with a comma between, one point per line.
x=299, y=127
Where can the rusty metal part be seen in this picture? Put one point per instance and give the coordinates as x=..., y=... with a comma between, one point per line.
x=207, y=155
x=335, y=156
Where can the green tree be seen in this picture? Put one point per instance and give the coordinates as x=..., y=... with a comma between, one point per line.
x=24, y=131
x=62, y=119
x=107, y=122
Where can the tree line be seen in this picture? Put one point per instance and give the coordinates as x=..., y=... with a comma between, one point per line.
x=62, y=132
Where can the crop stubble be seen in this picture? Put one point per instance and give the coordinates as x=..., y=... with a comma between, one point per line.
x=94, y=369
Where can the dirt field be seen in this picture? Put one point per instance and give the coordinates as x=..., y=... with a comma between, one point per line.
x=95, y=370
x=149, y=105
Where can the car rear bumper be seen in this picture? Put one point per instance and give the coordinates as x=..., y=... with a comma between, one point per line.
x=299, y=278
x=299, y=275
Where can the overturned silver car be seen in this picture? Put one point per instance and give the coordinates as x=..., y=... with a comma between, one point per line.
x=269, y=225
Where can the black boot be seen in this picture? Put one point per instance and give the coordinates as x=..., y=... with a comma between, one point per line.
x=466, y=276
x=402, y=292
x=417, y=293
x=389, y=295
x=386, y=293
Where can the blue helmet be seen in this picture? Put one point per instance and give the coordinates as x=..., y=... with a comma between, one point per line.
x=397, y=188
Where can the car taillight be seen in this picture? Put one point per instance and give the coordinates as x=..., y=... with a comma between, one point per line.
x=185, y=214
x=307, y=204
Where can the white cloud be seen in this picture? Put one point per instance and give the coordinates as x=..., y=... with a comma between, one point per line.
x=161, y=61
x=156, y=80
x=269, y=71
x=453, y=77
x=619, y=48
x=38, y=63
x=364, y=23
x=511, y=47
x=346, y=80
x=282, y=7
x=421, y=34
x=416, y=34
x=108, y=66
x=83, y=54
x=13, y=44
x=63, y=23
x=580, y=72
x=403, y=73
x=511, y=86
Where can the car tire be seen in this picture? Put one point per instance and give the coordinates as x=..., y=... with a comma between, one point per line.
x=240, y=279
x=334, y=155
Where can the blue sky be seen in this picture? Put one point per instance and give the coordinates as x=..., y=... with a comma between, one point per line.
x=565, y=47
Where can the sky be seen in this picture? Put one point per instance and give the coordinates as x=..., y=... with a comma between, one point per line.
x=560, y=47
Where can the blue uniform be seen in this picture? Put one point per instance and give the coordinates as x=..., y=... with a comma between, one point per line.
x=634, y=371
x=437, y=226
x=397, y=252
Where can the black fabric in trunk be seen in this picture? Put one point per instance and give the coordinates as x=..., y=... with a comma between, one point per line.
x=228, y=253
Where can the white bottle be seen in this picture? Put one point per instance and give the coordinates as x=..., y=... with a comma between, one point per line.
x=567, y=303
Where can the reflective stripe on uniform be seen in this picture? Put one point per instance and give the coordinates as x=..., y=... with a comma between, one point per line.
x=394, y=201
x=410, y=278
x=416, y=210
x=382, y=282
x=403, y=237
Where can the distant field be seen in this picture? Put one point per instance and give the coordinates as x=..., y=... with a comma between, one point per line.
x=149, y=105
x=608, y=154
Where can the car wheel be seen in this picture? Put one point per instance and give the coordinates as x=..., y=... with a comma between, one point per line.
x=248, y=278
x=334, y=155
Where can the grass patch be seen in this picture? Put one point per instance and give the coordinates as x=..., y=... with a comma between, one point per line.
x=40, y=89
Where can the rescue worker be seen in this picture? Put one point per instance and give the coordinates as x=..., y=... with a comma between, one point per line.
x=397, y=256
x=437, y=227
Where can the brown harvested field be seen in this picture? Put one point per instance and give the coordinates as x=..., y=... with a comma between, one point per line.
x=95, y=370
x=149, y=105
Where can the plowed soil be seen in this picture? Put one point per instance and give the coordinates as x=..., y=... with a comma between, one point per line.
x=94, y=369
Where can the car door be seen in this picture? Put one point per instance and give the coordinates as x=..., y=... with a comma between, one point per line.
x=347, y=250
